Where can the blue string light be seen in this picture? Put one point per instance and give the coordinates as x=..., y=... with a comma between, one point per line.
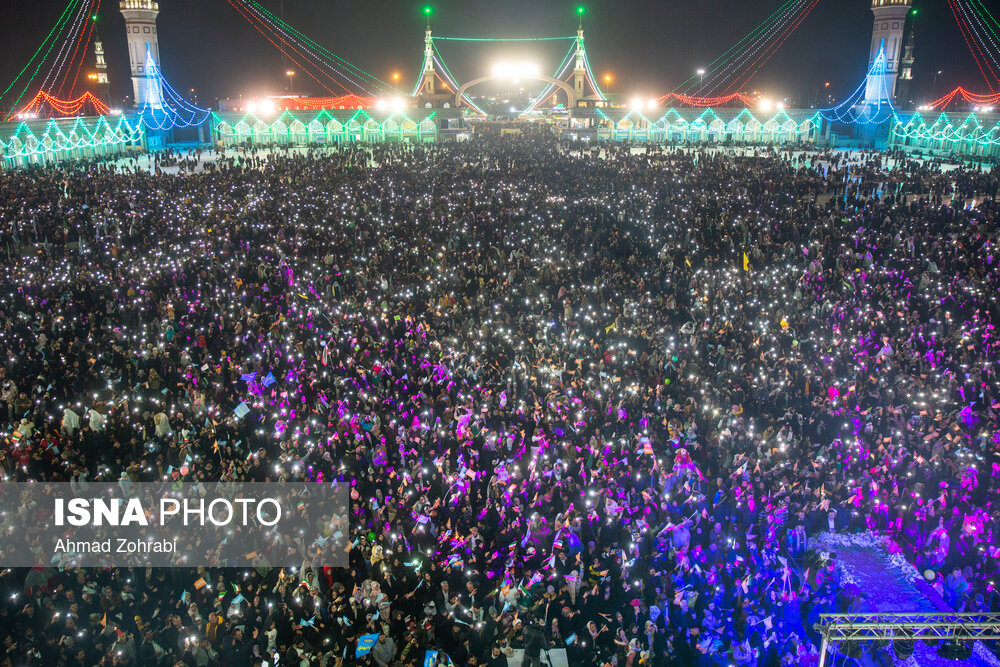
x=858, y=108
x=164, y=109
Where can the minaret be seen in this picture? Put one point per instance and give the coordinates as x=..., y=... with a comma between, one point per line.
x=427, y=85
x=140, y=26
x=580, y=68
x=101, y=66
x=887, y=35
x=906, y=67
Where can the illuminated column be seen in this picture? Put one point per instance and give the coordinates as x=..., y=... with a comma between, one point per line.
x=140, y=27
x=887, y=34
x=579, y=69
x=427, y=85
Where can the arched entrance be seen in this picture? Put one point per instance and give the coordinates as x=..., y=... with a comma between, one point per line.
x=570, y=93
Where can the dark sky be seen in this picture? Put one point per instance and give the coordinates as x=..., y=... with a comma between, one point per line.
x=648, y=45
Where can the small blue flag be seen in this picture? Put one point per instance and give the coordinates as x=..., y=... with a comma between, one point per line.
x=365, y=644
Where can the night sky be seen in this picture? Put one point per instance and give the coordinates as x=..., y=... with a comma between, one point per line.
x=649, y=46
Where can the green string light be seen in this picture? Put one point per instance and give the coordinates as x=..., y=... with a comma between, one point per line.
x=24, y=143
x=942, y=129
x=503, y=39
x=776, y=16
x=741, y=125
x=61, y=25
x=256, y=129
x=984, y=12
x=301, y=36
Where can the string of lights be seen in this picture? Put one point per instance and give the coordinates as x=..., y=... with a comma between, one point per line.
x=420, y=74
x=977, y=99
x=739, y=61
x=55, y=138
x=164, y=108
x=305, y=51
x=503, y=39
x=698, y=101
x=386, y=87
x=979, y=29
x=299, y=62
x=744, y=126
x=442, y=67
x=84, y=40
x=762, y=59
x=559, y=74
x=45, y=105
x=744, y=65
x=971, y=43
x=59, y=25
x=590, y=75
x=943, y=130
x=724, y=61
x=86, y=46
x=350, y=101
x=861, y=109
x=62, y=56
x=986, y=30
x=322, y=127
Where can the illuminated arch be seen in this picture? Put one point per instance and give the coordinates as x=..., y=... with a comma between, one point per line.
x=570, y=93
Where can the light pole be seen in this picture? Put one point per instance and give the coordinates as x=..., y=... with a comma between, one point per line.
x=607, y=82
x=291, y=80
x=701, y=78
x=934, y=87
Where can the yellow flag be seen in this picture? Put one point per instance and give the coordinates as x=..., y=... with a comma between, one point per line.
x=746, y=262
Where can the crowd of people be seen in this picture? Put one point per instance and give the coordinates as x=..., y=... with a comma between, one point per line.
x=591, y=398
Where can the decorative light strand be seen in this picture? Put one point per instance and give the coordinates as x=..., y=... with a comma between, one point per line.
x=695, y=101
x=738, y=46
x=84, y=36
x=766, y=55
x=764, y=50
x=298, y=62
x=54, y=139
x=174, y=110
x=58, y=26
x=733, y=66
x=350, y=101
x=971, y=98
x=559, y=73
x=969, y=43
x=385, y=86
x=41, y=100
x=59, y=64
x=854, y=109
x=943, y=130
x=503, y=39
x=305, y=51
x=451, y=80
x=982, y=36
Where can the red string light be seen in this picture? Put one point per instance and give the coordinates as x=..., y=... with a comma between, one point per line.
x=962, y=28
x=86, y=47
x=76, y=47
x=350, y=101
x=254, y=21
x=981, y=45
x=42, y=100
x=694, y=101
x=978, y=99
x=773, y=48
